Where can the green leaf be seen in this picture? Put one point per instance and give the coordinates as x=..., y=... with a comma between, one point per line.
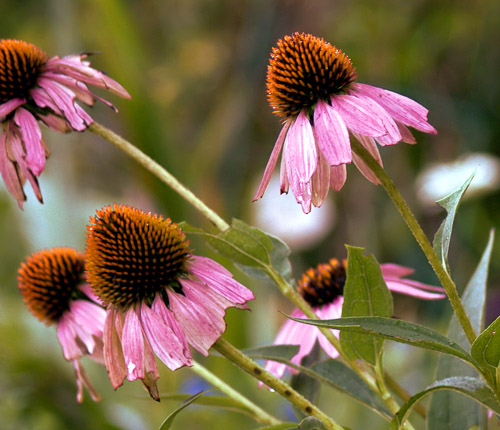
x=396, y=330
x=486, y=348
x=250, y=248
x=447, y=408
x=330, y=372
x=165, y=425
x=443, y=235
x=365, y=294
x=471, y=387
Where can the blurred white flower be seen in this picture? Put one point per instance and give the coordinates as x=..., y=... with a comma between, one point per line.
x=282, y=217
x=439, y=180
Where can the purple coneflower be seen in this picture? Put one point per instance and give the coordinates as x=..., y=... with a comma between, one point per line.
x=52, y=283
x=311, y=84
x=159, y=296
x=322, y=287
x=34, y=87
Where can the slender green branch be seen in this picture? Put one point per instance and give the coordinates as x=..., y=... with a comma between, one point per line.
x=251, y=367
x=258, y=413
x=159, y=172
x=420, y=237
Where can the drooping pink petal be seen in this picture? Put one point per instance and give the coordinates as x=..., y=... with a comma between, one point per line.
x=371, y=146
x=358, y=115
x=271, y=164
x=219, y=279
x=133, y=345
x=320, y=182
x=66, y=334
x=392, y=134
x=32, y=137
x=202, y=326
x=9, y=173
x=113, y=355
x=10, y=106
x=164, y=342
x=401, y=108
x=406, y=135
x=151, y=373
x=82, y=380
x=168, y=318
x=284, y=184
x=338, y=176
x=331, y=134
x=81, y=91
x=395, y=270
x=64, y=98
x=326, y=312
x=88, y=315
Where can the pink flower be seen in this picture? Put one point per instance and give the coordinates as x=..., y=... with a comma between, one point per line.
x=35, y=88
x=53, y=287
x=160, y=298
x=311, y=84
x=322, y=287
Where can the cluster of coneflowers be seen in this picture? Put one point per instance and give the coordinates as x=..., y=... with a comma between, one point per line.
x=138, y=291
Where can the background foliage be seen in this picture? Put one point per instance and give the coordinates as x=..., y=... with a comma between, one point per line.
x=196, y=73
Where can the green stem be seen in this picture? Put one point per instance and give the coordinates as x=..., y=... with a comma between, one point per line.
x=258, y=413
x=420, y=237
x=403, y=394
x=282, y=388
x=159, y=172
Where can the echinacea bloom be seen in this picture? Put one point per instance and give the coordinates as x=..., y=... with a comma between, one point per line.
x=322, y=287
x=36, y=88
x=311, y=85
x=159, y=296
x=52, y=284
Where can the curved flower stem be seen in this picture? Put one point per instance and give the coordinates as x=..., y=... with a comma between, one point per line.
x=258, y=413
x=160, y=172
x=420, y=237
x=251, y=367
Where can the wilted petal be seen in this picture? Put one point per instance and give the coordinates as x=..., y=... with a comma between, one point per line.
x=406, y=135
x=133, y=345
x=9, y=173
x=88, y=315
x=271, y=164
x=284, y=184
x=163, y=340
x=320, y=182
x=338, y=176
x=393, y=276
x=67, y=336
x=358, y=115
x=220, y=279
x=82, y=380
x=113, y=355
x=401, y=108
x=301, y=159
x=331, y=134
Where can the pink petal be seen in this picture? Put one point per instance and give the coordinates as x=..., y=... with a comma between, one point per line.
x=271, y=164
x=338, y=176
x=82, y=380
x=9, y=173
x=88, y=315
x=332, y=136
x=32, y=137
x=395, y=270
x=284, y=184
x=371, y=146
x=320, y=182
x=113, y=355
x=327, y=312
x=166, y=345
x=359, y=115
x=401, y=108
x=133, y=345
x=218, y=278
x=202, y=326
x=10, y=106
x=64, y=99
x=151, y=373
x=67, y=338
x=400, y=286
x=406, y=135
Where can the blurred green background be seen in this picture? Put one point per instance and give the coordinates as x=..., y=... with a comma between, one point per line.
x=196, y=72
